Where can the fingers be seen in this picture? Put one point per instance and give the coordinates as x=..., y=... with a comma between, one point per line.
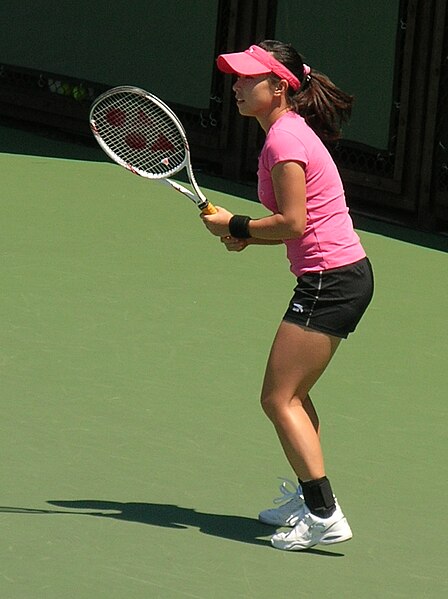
x=218, y=223
x=233, y=244
x=207, y=217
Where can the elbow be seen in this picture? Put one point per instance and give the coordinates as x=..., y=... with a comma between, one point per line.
x=298, y=232
x=295, y=230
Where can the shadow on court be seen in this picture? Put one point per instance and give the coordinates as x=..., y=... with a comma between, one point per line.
x=235, y=528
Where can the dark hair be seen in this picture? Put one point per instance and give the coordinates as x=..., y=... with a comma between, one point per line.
x=324, y=106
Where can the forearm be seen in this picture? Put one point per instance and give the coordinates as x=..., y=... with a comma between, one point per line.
x=275, y=228
x=255, y=241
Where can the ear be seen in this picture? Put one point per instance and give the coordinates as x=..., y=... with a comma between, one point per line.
x=281, y=87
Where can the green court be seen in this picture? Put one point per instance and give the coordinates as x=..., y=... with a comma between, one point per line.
x=135, y=456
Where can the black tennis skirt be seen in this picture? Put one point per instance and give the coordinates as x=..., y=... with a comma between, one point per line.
x=332, y=301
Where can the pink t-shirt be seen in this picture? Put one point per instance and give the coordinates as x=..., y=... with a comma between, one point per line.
x=329, y=240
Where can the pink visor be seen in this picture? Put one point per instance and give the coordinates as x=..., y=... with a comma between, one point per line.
x=255, y=61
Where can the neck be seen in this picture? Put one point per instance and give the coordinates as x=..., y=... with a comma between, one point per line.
x=268, y=120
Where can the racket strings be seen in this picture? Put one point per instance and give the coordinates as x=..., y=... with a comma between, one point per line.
x=140, y=134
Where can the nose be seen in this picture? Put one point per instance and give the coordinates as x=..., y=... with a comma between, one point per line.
x=235, y=86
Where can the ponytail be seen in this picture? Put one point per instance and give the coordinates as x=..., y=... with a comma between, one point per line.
x=324, y=106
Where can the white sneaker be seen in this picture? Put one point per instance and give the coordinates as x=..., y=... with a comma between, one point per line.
x=289, y=513
x=311, y=530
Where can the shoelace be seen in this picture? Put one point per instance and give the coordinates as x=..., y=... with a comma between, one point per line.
x=288, y=489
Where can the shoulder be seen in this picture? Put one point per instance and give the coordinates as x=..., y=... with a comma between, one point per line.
x=286, y=140
x=291, y=122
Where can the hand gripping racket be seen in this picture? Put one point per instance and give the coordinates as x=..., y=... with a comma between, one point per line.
x=142, y=134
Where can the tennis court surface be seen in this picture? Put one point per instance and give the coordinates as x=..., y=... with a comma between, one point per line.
x=135, y=456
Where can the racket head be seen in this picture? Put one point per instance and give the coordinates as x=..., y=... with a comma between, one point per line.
x=139, y=132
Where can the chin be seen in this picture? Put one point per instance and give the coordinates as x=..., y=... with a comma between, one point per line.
x=242, y=108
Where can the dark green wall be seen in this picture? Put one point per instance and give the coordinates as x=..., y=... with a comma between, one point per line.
x=353, y=43
x=166, y=46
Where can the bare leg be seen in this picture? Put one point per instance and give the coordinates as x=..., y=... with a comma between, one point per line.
x=298, y=358
x=309, y=408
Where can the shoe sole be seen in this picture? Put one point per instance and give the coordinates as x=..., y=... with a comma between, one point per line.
x=327, y=539
x=300, y=547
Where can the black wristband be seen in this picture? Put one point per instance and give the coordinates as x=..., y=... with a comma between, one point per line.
x=239, y=226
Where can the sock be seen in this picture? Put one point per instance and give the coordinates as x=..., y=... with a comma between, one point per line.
x=319, y=497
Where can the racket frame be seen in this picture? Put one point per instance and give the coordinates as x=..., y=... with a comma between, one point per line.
x=197, y=197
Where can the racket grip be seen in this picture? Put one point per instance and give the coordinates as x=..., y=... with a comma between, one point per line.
x=209, y=209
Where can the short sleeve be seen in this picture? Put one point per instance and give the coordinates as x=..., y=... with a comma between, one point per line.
x=283, y=146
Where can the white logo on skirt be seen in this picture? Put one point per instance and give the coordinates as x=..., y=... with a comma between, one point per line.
x=297, y=307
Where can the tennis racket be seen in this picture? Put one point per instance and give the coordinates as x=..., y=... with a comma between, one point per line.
x=142, y=134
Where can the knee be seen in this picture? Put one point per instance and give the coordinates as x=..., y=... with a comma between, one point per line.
x=277, y=407
x=273, y=406
x=267, y=405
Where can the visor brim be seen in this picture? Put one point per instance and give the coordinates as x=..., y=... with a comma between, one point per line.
x=241, y=63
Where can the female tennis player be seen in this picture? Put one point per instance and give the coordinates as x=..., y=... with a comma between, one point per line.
x=299, y=109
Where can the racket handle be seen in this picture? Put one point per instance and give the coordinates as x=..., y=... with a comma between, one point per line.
x=209, y=209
